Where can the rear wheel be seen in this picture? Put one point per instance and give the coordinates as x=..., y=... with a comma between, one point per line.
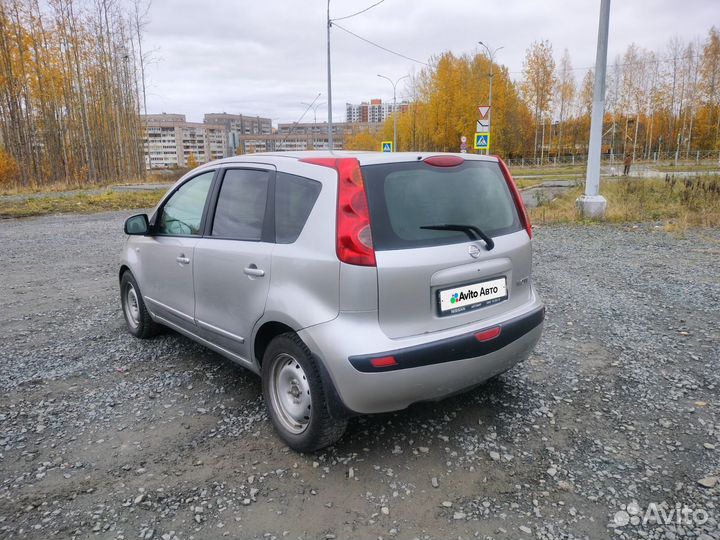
x=295, y=397
x=137, y=318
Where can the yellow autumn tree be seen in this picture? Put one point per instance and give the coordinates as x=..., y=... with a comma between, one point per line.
x=362, y=141
x=444, y=107
x=191, y=162
x=69, y=91
x=538, y=82
x=710, y=89
x=8, y=170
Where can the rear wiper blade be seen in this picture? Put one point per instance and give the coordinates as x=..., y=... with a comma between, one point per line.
x=473, y=232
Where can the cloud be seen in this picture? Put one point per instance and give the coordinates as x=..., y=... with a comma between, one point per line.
x=267, y=57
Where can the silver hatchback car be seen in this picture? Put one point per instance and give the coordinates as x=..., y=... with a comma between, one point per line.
x=353, y=283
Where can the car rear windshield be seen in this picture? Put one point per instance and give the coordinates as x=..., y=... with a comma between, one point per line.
x=404, y=197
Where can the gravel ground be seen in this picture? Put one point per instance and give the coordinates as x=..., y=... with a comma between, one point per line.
x=615, y=417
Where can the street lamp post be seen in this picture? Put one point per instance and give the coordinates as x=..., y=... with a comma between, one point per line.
x=314, y=108
x=394, y=85
x=491, y=55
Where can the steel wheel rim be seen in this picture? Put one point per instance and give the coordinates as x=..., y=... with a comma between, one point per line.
x=132, y=306
x=290, y=393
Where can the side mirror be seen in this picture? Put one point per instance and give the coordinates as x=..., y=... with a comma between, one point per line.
x=137, y=224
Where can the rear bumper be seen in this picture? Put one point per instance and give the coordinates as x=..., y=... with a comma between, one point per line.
x=426, y=369
x=469, y=345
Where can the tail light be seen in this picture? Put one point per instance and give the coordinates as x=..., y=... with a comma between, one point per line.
x=353, y=242
x=519, y=204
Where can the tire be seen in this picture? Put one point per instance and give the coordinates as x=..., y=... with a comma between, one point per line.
x=295, y=396
x=138, y=320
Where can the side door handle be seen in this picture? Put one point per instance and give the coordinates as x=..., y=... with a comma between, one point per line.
x=182, y=259
x=253, y=270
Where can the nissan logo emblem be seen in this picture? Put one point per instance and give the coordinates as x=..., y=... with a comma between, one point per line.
x=474, y=251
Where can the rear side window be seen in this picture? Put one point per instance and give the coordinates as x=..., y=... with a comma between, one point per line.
x=403, y=197
x=295, y=197
x=240, y=211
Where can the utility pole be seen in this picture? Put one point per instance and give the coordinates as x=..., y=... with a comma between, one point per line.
x=491, y=55
x=329, y=22
x=592, y=205
x=394, y=85
x=329, y=82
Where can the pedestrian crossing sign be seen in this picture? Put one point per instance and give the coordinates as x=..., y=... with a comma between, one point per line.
x=387, y=146
x=482, y=141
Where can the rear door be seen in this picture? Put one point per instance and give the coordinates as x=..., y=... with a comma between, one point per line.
x=233, y=259
x=430, y=280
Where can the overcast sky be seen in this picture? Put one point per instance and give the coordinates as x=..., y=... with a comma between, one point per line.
x=266, y=57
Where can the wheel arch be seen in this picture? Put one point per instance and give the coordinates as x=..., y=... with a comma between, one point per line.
x=123, y=268
x=268, y=330
x=265, y=333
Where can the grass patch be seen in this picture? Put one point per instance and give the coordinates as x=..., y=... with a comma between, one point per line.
x=80, y=203
x=554, y=170
x=688, y=167
x=680, y=203
x=164, y=177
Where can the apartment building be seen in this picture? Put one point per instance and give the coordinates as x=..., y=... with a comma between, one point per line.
x=236, y=125
x=170, y=139
x=374, y=111
x=304, y=136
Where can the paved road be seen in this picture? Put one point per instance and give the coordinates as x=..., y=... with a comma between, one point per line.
x=103, y=435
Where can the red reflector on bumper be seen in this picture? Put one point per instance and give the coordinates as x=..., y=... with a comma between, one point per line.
x=385, y=361
x=487, y=335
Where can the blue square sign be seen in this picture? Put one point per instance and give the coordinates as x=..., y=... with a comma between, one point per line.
x=482, y=141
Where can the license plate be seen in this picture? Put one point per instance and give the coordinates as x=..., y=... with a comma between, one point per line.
x=473, y=296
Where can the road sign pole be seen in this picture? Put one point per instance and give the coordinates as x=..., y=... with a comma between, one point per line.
x=483, y=128
x=592, y=205
x=491, y=56
x=487, y=150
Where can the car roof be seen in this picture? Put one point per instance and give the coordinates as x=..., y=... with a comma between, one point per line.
x=365, y=158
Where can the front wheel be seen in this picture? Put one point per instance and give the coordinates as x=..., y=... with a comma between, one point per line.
x=137, y=318
x=295, y=397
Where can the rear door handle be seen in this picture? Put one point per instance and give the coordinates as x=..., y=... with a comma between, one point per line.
x=182, y=259
x=253, y=270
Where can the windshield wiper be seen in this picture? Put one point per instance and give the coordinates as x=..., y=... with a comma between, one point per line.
x=473, y=232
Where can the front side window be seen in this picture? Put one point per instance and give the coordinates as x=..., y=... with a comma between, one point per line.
x=182, y=213
x=240, y=211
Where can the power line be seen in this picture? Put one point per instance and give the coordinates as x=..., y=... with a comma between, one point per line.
x=359, y=12
x=379, y=46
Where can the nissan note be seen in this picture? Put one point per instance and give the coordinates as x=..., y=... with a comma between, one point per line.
x=352, y=283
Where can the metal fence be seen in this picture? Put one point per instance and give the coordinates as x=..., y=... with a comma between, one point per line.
x=707, y=157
